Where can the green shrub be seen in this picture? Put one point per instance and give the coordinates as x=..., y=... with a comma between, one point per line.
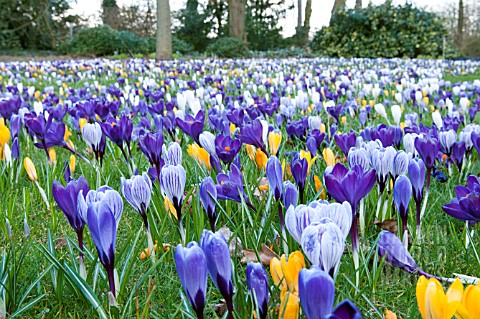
x=103, y=40
x=227, y=48
x=382, y=31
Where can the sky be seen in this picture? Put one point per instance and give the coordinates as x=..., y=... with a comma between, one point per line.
x=320, y=10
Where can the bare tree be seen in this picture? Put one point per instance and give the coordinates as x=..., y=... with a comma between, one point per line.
x=308, y=15
x=299, y=16
x=358, y=4
x=460, y=24
x=236, y=19
x=338, y=5
x=164, y=31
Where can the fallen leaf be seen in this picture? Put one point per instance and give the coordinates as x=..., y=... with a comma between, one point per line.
x=265, y=255
x=220, y=308
x=234, y=243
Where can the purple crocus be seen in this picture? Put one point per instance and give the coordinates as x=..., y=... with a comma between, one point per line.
x=299, y=168
x=219, y=265
x=397, y=255
x=402, y=193
x=289, y=195
x=119, y=132
x=257, y=282
x=350, y=185
x=227, y=148
x=103, y=229
x=191, y=267
x=67, y=201
x=274, y=176
x=466, y=205
x=230, y=187
x=253, y=134
x=416, y=172
x=208, y=196
x=192, y=126
x=458, y=153
x=138, y=193
x=346, y=141
x=151, y=146
x=316, y=302
x=346, y=310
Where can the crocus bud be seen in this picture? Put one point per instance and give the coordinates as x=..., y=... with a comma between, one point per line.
x=346, y=310
x=274, y=176
x=30, y=168
x=192, y=270
x=437, y=119
x=396, y=113
x=274, y=139
x=323, y=243
x=316, y=302
x=257, y=281
x=219, y=265
x=402, y=193
x=67, y=201
x=416, y=172
x=396, y=254
x=290, y=194
x=138, y=193
x=359, y=156
x=92, y=135
x=400, y=164
x=174, y=178
x=208, y=195
x=207, y=141
x=380, y=109
x=346, y=141
x=428, y=149
x=447, y=139
x=173, y=154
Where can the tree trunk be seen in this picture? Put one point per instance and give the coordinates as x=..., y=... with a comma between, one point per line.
x=338, y=5
x=306, y=22
x=299, y=16
x=164, y=31
x=460, y=25
x=358, y=4
x=236, y=19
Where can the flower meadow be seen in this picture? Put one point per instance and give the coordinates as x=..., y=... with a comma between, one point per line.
x=294, y=188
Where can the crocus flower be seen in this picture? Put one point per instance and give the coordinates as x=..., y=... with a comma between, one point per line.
x=173, y=179
x=382, y=162
x=428, y=149
x=323, y=243
x=447, y=139
x=359, y=156
x=257, y=281
x=151, y=145
x=402, y=193
x=351, y=186
x=433, y=302
x=103, y=226
x=191, y=267
x=466, y=205
x=299, y=168
x=416, y=172
x=200, y=155
x=119, y=132
x=173, y=154
x=300, y=217
x=231, y=187
x=208, y=196
x=138, y=192
x=227, y=148
x=67, y=199
x=345, y=310
x=261, y=159
x=105, y=194
x=329, y=157
x=285, y=273
x=274, y=176
x=400, y=164
x=192, y=126
x=458, y=153
x=253, y=134
x=274, y=140
x=316, y=303
x=92, y=135
x=289, y=195
x=469, y=308
x=396, y=254
x=219, y=265
x=346, y=141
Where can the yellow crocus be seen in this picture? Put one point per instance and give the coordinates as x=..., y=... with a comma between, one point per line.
x=200, y=155
x=285, y=273
x=169, y=207
x=81, y=123
x=261, y=159
x=30, y=168
x=434, y=303
x=52, y=154
x=289, y=304
x=318, y=186
x=66, y=138
x=4, y=133
x=306, y=155
x=232, y=128
x=250, y=151
x=470, y=306
x=322, y=128
x=328, y=156
x=71, y=163
x=274, y=140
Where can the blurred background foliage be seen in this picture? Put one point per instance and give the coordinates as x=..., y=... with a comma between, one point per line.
x=201, y=27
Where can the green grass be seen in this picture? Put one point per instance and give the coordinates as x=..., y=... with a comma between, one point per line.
x=48, y=257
